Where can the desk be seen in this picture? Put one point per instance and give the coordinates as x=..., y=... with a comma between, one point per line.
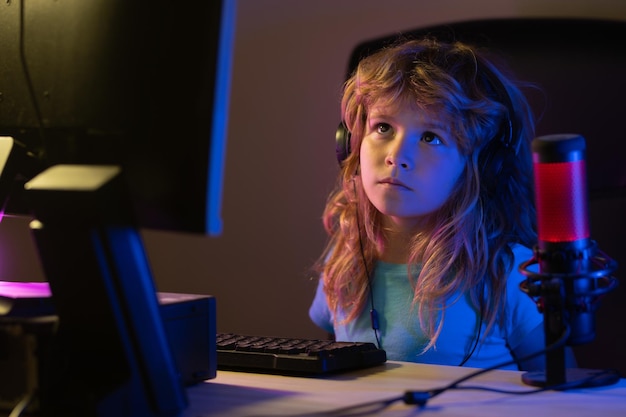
x=243, y=394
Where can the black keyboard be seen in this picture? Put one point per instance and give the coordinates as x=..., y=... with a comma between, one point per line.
x=277, y=355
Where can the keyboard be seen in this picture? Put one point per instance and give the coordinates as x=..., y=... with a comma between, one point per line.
x=292, y=356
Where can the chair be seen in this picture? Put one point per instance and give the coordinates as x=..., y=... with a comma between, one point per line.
x=579, y=64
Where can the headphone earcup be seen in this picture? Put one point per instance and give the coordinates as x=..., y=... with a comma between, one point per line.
x=497, y=159
x=491, y=160
x=342, y=143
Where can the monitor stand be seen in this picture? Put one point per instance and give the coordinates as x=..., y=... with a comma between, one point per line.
x=113, y=356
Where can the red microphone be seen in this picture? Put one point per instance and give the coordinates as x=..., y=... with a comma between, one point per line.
x=573, y=273
x=565, y=250
x=561, y=201
x=564, y=246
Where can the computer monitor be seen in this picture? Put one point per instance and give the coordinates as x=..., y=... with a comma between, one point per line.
x=117, y=112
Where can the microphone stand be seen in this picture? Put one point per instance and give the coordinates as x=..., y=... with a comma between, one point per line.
x=568, y=301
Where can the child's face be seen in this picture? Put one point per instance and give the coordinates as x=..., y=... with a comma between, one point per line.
x=409, y=163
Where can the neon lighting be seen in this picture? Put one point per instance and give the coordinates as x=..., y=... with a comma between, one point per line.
x=220, y=120
x=561, y=194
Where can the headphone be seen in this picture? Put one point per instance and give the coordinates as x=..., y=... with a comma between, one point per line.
x=498, y=155
x=495, y=158
x=342, y=143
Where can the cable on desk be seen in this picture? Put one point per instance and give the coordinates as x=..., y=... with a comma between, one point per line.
x=371, y=408
x=420, y=398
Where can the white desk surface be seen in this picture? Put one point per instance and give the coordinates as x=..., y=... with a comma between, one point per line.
x=247, y=394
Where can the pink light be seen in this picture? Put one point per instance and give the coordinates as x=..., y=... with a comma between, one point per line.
x=24, y=289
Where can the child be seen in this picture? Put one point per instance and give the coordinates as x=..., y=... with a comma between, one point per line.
x=433, y=211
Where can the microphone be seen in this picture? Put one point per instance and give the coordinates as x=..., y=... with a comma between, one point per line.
x=573, y=272
x=562, y=221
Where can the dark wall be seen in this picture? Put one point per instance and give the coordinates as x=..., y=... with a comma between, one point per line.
x=290, y=61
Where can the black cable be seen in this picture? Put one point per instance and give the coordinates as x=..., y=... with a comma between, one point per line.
x=371, y=408
x=481, y=312
x=420, y=398
x=373, y=313
x=27, y=77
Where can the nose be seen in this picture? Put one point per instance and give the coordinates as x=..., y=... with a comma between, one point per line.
x=401, y=152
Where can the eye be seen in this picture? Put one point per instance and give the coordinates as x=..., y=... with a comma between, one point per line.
x=383, y=128
x=432, y=138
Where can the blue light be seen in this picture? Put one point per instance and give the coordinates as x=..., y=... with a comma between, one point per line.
x=219, y=132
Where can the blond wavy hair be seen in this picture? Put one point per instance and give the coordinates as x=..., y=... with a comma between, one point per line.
x=467, y=245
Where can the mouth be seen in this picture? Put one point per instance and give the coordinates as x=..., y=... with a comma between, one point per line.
x=392, y=182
